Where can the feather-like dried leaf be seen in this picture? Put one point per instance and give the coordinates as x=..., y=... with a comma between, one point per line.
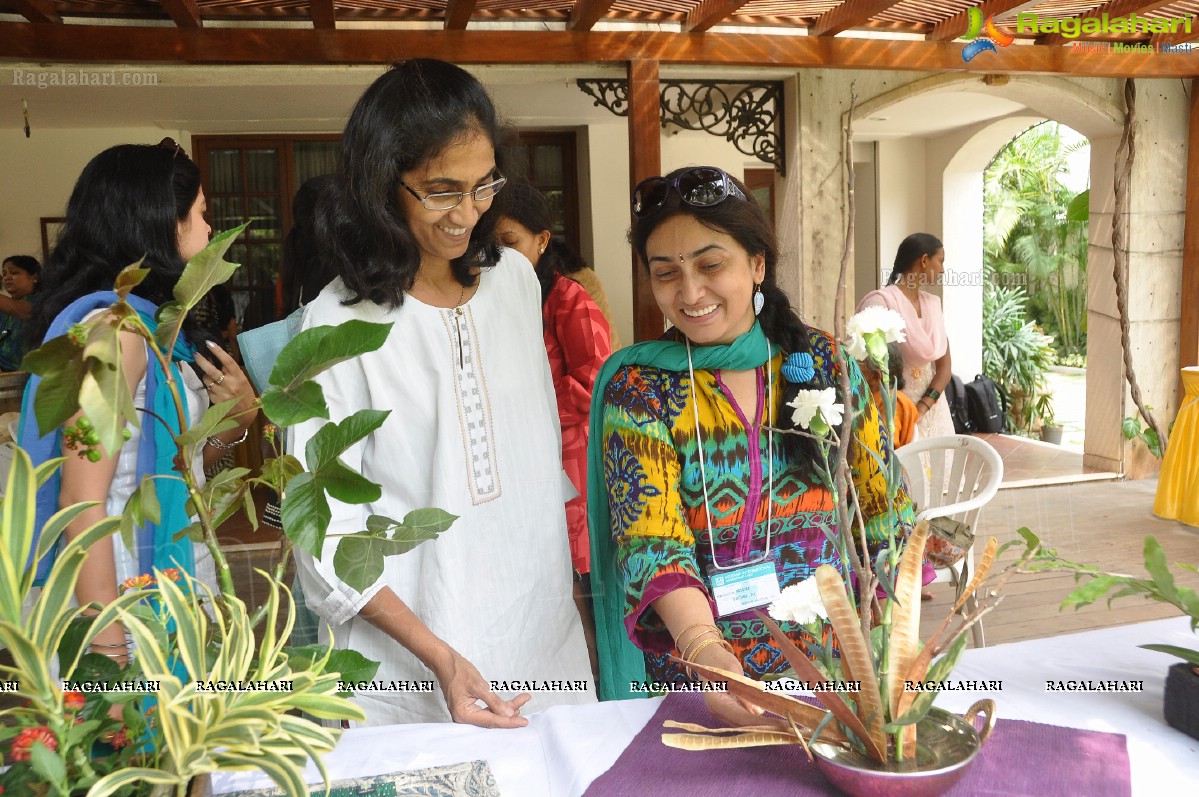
x=855, y=655
x=805, y=669
x=980, y=573
x=804, y=714
x=904, y=640
x=699, y=741
x=691, y=726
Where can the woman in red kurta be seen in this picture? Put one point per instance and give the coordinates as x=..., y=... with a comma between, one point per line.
x=577, y=341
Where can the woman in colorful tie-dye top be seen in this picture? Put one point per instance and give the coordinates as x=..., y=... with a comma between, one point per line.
x=698, y=487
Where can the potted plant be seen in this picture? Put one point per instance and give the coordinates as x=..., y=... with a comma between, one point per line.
x=1050, y=431
x=1182, y=681
x=868, y=730
x=202, y=695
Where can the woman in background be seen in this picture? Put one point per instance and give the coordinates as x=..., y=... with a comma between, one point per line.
x=919, y=264
x=577, y=340
x=133, y=202
x=20, y=275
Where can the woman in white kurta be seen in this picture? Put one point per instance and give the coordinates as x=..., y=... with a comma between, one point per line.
x=919, y=264
x=482, y=615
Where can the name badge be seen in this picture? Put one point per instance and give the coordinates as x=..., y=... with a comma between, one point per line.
x=744, y=588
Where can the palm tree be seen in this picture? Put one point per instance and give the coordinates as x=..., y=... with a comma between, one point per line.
x=1030, y=238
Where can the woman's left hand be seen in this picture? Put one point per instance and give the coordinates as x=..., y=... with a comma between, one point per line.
x=228, y=382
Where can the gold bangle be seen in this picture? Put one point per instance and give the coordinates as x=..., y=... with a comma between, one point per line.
x=719, y=641
x=678, y=640
x=698, y=637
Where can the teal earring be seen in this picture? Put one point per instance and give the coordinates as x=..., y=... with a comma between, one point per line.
x=759, y=300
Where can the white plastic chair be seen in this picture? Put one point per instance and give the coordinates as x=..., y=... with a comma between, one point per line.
x=957, y=485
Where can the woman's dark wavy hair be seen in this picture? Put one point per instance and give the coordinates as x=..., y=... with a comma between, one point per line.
x=911, y=249
x=303, y=273
x=127, y=203
x=746, y=223
x=413, y=112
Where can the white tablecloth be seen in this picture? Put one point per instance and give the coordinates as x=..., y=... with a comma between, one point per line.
x=563, y=749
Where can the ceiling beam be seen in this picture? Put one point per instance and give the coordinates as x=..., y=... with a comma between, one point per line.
x=1176, y=38
x=323, y=14
x=949, y=29
x=184, y=13
x=849, y=14
x=588, y=12
x=41, y=11
x=458, y=13
x=1115, y=8
x=129, y=45
x=709, y=13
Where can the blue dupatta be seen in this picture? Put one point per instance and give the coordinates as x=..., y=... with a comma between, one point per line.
x=155, y=543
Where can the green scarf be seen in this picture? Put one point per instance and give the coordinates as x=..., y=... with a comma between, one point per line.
x=620, y=661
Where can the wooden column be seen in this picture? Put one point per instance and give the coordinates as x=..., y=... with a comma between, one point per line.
x=1188, y=325
x=645, y=160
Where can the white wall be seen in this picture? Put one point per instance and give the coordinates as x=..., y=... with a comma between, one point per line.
x=607, y=163
x=902, y=187
x=40, y=171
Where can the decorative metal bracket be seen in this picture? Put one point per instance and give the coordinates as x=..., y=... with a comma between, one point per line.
x=747, y=115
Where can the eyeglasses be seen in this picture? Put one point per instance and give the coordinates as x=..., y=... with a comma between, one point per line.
x=699, y=187
x=449, y=200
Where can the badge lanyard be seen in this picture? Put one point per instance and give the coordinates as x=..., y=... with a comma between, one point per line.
x=769, y=458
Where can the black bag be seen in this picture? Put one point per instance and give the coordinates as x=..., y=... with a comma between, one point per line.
x=959, y=408
x=987, y=405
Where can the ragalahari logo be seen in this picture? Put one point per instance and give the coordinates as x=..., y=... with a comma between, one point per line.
x=978, y=44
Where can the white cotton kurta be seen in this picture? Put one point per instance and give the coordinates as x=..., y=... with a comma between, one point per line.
x=473, y=430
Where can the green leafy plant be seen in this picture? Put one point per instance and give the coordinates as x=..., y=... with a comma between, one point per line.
x=1016, y=355
x=1160, y=586
x=1133, y=430
x=185, y=636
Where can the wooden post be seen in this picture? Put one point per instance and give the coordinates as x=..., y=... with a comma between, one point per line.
x=645, y=160
x=1188, y=325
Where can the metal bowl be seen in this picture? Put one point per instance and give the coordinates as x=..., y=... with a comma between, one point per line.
x=946, y=748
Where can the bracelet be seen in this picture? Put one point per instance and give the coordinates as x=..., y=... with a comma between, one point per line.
x=698, y=637
x=718, y=641
x=217, y=442
x=932, y=393
x=688, y=628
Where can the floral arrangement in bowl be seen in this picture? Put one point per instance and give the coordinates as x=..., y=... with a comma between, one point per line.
x=876, y=654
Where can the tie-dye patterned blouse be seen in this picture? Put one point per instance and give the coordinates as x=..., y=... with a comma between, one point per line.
x=656, y=497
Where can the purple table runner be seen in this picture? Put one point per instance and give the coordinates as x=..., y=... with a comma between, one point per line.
x=1020, y=758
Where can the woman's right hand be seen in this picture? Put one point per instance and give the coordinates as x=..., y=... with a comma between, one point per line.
x=464, y=687
x=725, y=706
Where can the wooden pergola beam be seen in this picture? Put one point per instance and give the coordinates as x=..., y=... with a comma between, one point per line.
x=323, y=14
x=848, y=15
x=1115, y=8
x=1177, y=38
x=110, y=44
x=184, y=13
x=458, y=13
x=645, y=160
x=39, y=11
x=955, y=26
x=710, y=13
x=588, y=12
x=1188, y=325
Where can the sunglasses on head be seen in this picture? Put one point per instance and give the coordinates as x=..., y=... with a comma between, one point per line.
x=699, y=187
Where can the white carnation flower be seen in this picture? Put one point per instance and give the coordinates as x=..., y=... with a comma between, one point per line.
x=855, y=346
x=875, y=320
x=810, y=405
x=799, y=603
